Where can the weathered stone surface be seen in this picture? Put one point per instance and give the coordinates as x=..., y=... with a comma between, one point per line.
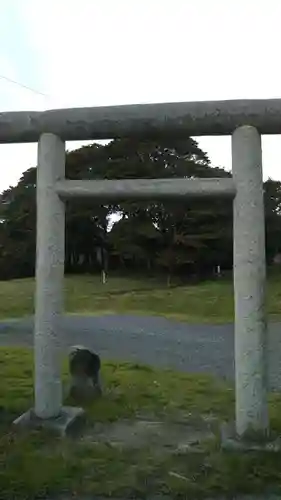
x=49, y=277
x=67, y=421
x=84, y=368
x=231, y=441
x=139, y=189
x=179, y=119
x=249, y=282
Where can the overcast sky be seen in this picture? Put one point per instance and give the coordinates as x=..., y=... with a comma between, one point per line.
x=106, y=52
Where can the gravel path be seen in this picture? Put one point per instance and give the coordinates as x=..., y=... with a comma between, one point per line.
x=152, y=340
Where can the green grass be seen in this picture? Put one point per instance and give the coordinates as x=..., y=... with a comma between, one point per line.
x=39, y=463
x=210, y=302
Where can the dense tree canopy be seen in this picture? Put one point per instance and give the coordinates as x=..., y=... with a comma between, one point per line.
x=184, y=239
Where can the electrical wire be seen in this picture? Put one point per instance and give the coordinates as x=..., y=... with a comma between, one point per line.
x=23, y=86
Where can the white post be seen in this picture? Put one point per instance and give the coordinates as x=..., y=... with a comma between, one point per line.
x=249, y=282
x=49, y=277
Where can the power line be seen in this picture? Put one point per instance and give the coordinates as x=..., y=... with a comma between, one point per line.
x=23, y=86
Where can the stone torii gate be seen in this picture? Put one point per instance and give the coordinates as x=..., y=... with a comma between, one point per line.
x=244, y=120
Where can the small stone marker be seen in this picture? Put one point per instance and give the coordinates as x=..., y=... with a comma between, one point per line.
x=84, y=367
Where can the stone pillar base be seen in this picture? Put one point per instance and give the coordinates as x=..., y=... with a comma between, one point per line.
x=252, y=442
x=69, y=418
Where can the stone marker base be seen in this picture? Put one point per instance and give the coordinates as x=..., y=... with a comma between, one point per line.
x=83, y=394
x=69, y=418
x=232, y=442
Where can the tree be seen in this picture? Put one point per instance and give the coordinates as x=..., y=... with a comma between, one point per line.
x=190, y=237
x=179, y=233
x=272, y=202
x=18, y=212
x=134, y=241
x=84, y=222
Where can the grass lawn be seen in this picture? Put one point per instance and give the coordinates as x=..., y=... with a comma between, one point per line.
x=205, y=302
x=109, y=460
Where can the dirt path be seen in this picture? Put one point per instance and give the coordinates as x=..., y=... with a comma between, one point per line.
x=152, y=340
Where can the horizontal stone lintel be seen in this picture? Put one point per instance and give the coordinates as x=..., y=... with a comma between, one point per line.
x=178, y=119
x=145, y=188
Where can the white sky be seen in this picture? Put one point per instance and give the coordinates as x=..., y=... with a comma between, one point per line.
x=106, y=52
